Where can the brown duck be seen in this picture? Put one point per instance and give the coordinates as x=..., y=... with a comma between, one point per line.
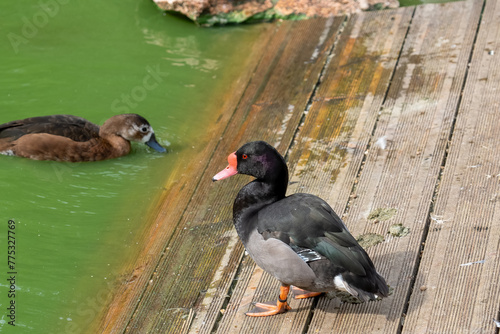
x=74, y=139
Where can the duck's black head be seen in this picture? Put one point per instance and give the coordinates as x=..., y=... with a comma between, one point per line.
x=258, y=159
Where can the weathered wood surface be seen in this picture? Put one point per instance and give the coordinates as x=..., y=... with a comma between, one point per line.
x=333, y=139
x=455, y=292
x=379, y=110
x=415, y=121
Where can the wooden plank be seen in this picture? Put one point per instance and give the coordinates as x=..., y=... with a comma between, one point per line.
x=167, y=211
x=415, y=123
x=344, y=110
x=451, y=295
x=205, y=237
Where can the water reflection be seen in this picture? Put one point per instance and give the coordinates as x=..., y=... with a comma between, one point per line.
x=182, y=51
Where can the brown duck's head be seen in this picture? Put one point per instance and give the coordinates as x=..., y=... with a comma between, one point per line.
x=131, y=127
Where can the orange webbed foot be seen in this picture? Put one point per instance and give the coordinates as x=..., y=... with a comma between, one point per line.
x=272, y=308
x=302, y=294
x=269, y=308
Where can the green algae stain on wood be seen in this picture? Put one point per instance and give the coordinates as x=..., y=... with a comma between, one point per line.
x=369, y=240
x=382, y=214
x=243, y=16
x=398, y=230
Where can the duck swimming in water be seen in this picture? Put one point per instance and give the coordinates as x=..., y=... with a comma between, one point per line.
x=74, y=139
x=298, y=239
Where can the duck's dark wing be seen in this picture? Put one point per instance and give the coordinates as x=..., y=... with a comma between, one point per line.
x=310, y=226
x=73, y=127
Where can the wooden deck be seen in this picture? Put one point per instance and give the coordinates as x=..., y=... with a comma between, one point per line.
x=395, y=109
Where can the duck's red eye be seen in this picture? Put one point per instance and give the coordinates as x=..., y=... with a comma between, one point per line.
x=244, y=156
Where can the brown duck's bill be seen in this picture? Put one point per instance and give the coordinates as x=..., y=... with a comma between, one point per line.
x=230, y=170
x=155, y=145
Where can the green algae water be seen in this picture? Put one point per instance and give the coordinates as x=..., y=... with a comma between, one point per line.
x=69, y=228
x=405, y=3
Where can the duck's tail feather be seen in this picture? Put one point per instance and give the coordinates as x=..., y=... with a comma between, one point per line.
x=377, y=287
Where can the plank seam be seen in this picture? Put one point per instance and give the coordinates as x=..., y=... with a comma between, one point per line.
x=395, y=66
x=229, y=292
x=309, y=104
x=310, y=101
x=369, y=144
x=425, y=232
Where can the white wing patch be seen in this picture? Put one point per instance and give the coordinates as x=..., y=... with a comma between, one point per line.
x=307, y=255
x=342, y=285
x=7, y=152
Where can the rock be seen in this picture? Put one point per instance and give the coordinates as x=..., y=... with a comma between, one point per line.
x=211, y=12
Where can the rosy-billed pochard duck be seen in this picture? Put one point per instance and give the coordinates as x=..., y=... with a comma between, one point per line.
x=298, y=239
x=74, y=139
